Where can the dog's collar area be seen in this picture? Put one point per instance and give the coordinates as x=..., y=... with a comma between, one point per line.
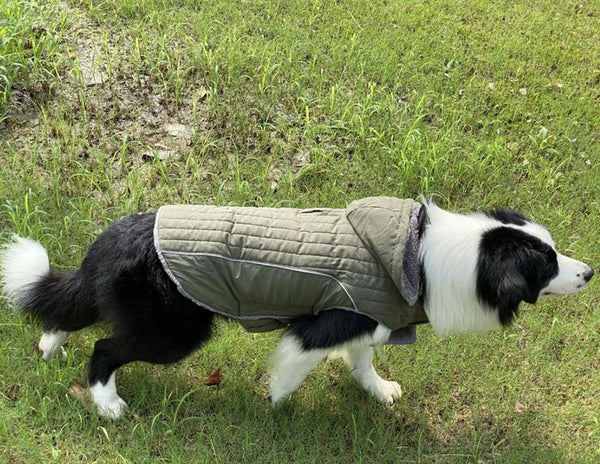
x=412, y=273
x=411, y=285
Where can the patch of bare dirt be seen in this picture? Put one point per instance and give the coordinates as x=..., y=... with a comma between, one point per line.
x=105, y=103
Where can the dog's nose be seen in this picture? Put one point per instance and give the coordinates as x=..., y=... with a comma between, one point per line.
x=587, y=275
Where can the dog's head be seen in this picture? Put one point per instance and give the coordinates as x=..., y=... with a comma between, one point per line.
x=479, y=268
x=518, y=262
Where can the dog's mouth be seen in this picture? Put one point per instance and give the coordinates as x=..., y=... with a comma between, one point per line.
x=572, y=291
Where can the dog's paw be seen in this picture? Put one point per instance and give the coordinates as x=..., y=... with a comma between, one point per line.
x=58, y=353
x=106, y=399
x=277, y=398
x=50, y=345
x=112, y=408
x=386, y=391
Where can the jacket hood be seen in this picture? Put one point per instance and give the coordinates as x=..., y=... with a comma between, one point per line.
x=389, y=228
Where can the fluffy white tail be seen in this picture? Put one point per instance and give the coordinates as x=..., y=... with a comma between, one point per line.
x=23, y=263
x=61, y=301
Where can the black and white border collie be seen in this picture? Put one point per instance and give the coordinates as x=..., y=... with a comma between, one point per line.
x=476, y=269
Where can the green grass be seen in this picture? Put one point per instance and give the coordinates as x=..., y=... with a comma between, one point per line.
x=29, y=51
x=120, y=106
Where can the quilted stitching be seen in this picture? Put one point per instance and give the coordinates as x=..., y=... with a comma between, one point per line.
x=321, y=241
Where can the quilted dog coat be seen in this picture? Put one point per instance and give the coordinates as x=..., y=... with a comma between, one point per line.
x=266, y=266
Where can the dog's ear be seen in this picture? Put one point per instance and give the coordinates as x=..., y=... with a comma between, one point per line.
x=513, y=266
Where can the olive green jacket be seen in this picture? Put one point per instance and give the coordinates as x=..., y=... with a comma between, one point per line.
x=266, y=266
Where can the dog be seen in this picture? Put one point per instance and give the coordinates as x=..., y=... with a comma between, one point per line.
x=473, y=271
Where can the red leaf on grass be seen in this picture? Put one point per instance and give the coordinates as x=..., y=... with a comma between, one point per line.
x=214, y=378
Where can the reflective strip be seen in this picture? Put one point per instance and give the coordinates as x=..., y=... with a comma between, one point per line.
x=257, y=263
x=181, y=290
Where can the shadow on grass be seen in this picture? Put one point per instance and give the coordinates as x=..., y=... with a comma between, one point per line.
x=322, y=423
x=329, y=419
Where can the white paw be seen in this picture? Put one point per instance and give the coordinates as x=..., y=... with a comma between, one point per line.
x=112, y=408
x=106, y=399
x=386, y=391
x=58, y=353
x=276, y=401
x=51, y=345
x=277, y=397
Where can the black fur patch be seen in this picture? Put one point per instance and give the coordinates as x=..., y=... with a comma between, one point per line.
x=122, y=282
x=331, y=328
x=151, y=320
x=508, y=216
x=513, y=266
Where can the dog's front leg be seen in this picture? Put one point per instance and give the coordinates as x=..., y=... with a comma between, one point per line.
x=359, y=359
x=291, y=364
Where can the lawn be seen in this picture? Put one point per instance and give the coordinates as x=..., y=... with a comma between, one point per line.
x=112, y=107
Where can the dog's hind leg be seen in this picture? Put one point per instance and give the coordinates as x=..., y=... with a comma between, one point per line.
x=161, y=342
x=359, y=359
x=51, y=344
x=291, y=364
x=107, y=357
